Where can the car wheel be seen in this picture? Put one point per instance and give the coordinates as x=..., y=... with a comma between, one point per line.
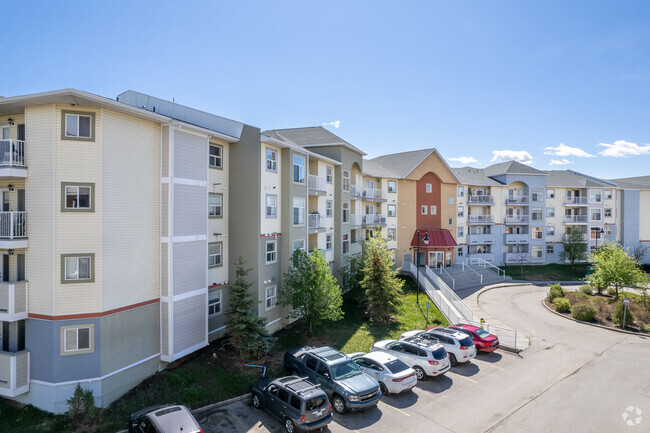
x=289, y=425
x=419, y=373
x=257, y=404
x=383, y=388
x=338, y=404
x=452, y=359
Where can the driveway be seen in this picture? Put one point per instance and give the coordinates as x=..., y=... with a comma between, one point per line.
x=572, y=378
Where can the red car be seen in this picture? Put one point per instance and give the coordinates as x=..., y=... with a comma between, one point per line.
x=484, y=341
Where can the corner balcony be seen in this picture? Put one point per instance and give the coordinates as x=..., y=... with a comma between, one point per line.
x=355, y=192
x=575, y=219
x=373, y=220
x=576, y=201
x=480, y=238
x=517, y=201
x=14, y=373
x=480, y=219
x=13, y=301
x=480, y=200
x=315, y=223
x=374, y=194
x=516, y=219
x=520, y=238
x=13, y=230
x=355, y=219
x=316, y=185
x=12, y=159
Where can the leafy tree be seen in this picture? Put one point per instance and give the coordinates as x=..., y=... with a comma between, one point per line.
x=246, y=331
x=574, y=246
x=639, y=252
x=613, y=266
x=383, y=290
x=311, y=290
x=352, y=273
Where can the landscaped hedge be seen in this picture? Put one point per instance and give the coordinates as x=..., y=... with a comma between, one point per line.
x=584, y=312
x=555, y=291
x=562, y=305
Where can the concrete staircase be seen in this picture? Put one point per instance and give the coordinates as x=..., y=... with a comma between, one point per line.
x=469, y=276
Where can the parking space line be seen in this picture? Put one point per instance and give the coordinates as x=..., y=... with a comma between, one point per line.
x=490, y=364
x=460, y=375
x=399, y=410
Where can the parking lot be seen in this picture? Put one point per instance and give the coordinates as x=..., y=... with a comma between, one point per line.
x=573, y=377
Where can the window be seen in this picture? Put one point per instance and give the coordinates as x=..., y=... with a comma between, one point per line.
x=550, y=249
x=78, y=268
x=460, y=252
x=214, y=254
x=608, y=194
x=298, y=169
x=77, y=339
x=608, y=212
x=537, y=195
x=214, y=206
x=298, y=244
x=271, y=160
x=429, y=188
x=271, y=252
x=329, y=208
x=346, y=244
x=346, y=212
x=608, y=230
x=392, y=234
x=451, y=200
x=77, y=197
x=424, y=209
x=78, y=126
x=536, y=252
x=346, y=180
x=550, y=212
x=461, y=231
x=329, y=174
x=536, y=214
x=451, y=221
x=392, y=210
x=595, y=233
x=271, y=297
x=595, y=214
x=298, y=211
x=595, y=196
x=392, y=186
x=461, y=211
x=550, y=193
x=214, y=302
x=271, y=206
x=216, y=156
x=461, y=191
x=538, y=233
x=434, y=209
x=328, y=241
x=550, y=230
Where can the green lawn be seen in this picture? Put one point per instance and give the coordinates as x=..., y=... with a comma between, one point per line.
x=202, y=380
x=550, y=272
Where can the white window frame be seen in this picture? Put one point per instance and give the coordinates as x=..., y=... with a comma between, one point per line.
x=550, y=212
x=595, y=210
x=78, y=116
x=273, y=161
x=550, y=194
x=346, y=212
x=608, y=194
x=329, y=174
x=329, y=208
x=537, y=196
x=608, y=212
x=596, y=196
x=550, y=249
x=550, y=230
x=534, y=248
x=394, y=186
x=451, y=200
x=461, y=231
x=346, y=180
x=214, y=303
x=434, y=209
x=295, y=241
x=215, y=210
x=537, y=233
x=215, y=161
x=424, y=209
x=218, y=256
x=273, y=254
x=67, y=332
x=392, y=213
x=329, y=241
x=461, y=191
x=392, y=234
x=345, y=244
x=428, y=188
x=272, y=298
x=271, y=210
x=77, y=187
x=537, y=210
x=301, y=215
x=299, y=162
x=460, y=211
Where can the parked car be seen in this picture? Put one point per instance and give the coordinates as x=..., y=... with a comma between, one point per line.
x=460, y=347
x=484, y=341
x=393, y=375
x=163, y=419
x=296, y=401
x=347, y=387
x=426, y=357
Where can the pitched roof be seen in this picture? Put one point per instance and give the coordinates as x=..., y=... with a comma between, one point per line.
x=639, y=182
x=511, y=167
x=570, y=178
x=372, y=168
x=437, y=238
x=311, y=136
x=399, y=164
x=474, y=176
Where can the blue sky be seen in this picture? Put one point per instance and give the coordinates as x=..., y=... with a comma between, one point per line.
x=539, y=81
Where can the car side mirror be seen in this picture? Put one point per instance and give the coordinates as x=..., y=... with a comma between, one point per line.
x=326, y=376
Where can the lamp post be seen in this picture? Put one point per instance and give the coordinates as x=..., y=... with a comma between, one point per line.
x=599, y=231
x=417, y=262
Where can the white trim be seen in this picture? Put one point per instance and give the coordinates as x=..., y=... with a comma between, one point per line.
x=272, y=322
x=186, y=295
x=192, y=182
x=190, y=238
x=219, y=329
x=189, y=350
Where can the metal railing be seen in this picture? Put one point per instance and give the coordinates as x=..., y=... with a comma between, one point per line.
x=474, y=219
x=575, y=200
x=374, y=193
x=12, y=153
x=466, y=263
x=373, y=219
x=570, y=219
x=13, y=225
x=315, y=221
x=453, y=282
x=489, y=266
x=354, y=191
x=355, y=219
x=480, y=199
x=517, y=200
x=315, y=182
x=516, y=219
x=513, y=238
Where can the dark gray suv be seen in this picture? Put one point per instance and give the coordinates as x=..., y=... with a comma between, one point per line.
x=300, y=404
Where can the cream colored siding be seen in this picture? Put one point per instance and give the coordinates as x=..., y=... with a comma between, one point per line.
x=270, y=185
x=41, y=200
x=164, y=268
x=218, y=184
x=130, y=157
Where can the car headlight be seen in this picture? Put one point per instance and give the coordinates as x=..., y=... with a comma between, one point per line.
x=353, y=398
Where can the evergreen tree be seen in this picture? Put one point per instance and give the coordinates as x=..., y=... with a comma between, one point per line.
x=246, y=331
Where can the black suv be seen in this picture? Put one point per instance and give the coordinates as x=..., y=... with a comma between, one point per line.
x=302, y=405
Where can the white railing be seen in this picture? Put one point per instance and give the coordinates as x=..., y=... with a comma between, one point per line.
x=451, y=296
x=517, y=257
x=516, y=219
x=480, y=219
x=374, y=193
x=480, y=238
x=517, y=200
x=315, y=182
x=12, y=153
x=355, y=219
x=514, y=238
x=13, y=225
x=14, y=373
x=489, y=266
x=480, y=199
x=453, y=282
x=354, y=191
x=373, y=219
x=13, y=301
x=575, y=200
x=481, y=256
x=466, y=264
x=571, y=219
x=315, y=221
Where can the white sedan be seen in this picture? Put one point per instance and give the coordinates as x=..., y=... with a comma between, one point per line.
x=393, y=375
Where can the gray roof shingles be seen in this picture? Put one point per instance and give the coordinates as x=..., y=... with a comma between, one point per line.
x=310, y=136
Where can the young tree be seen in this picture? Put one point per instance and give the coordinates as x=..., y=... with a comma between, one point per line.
x=613, y=266
x=383, y=290
x=246, y=331
x=311, y=290
x=352, y=273
x=574, y=246
x=639, y=252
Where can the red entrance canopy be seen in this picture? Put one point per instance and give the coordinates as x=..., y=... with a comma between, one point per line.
x=437, y=238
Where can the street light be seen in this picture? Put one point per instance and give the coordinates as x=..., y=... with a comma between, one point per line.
x=599, y=231
x=417, y=262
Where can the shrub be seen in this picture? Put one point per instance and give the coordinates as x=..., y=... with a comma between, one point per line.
x=618, y=315
x=555, y=291
x=611, y=291
x=584, y=312
x=562, y=305
x=81, y=406
x=580, y=297
x=586, y=289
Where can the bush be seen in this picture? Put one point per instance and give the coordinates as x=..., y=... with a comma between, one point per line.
x=584, y=312
x=586, y=289
x=618, y=315
x=555, y=291
x=81, y=406
x=562, y=305
x=611, y=291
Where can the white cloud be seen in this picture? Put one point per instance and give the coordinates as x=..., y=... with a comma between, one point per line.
x=562, y=161
x=517, y=155
x=335, y=123
x=622, y=149
x=465, y=160
x=564, y=150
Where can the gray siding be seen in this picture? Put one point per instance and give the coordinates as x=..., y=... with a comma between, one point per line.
x=190, y=322
x=630, y=204
x=190, y=265
x=190, y=156
x=190, y=210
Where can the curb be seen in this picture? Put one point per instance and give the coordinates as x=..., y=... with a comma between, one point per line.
x=595, y=325
x=222, y=403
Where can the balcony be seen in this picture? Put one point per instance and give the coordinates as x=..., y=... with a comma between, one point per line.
x=480, y=238
x=517, y=201
x=355, y=219
x=521, y=258
x=315, y=223
x=519, y=238
x=481, y=200
x=355, y=248
x=373, y=194
x=13, y=301
x=14, y=373
x=576, y=201
x=316, y=185
x=575, y=219
x=12, y=159
x=488, y=257
x=373, y=220
x=13, y=230
x=355, y=192
x=480, y=219
x=516, y=219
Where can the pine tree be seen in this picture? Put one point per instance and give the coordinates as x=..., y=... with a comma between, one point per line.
x=246, y=331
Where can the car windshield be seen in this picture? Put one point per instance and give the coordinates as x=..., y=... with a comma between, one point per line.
x=348, y=369
x=440, y=353
x=314, y=403
x=482, y=333
x=466, y=342
x=396, y=366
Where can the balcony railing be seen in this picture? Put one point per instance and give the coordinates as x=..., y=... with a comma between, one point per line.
x=576, y=201
x=516, y=219
x=519, y=238
x=355, y=219
x=517, y=200
x=13, y=225
x=315, y=221
x=12, y=153
x=374, y=194
x=488, y=257
x=354, y=191
x=373, y=219
x=480, y=199
x=480, y=238
x=14, y=373
x=575, y=219
x=480, y=219
x=13, y=301
x=315, y=183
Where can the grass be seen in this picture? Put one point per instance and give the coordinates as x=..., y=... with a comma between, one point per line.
x=204, y=379
x=550, y=272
